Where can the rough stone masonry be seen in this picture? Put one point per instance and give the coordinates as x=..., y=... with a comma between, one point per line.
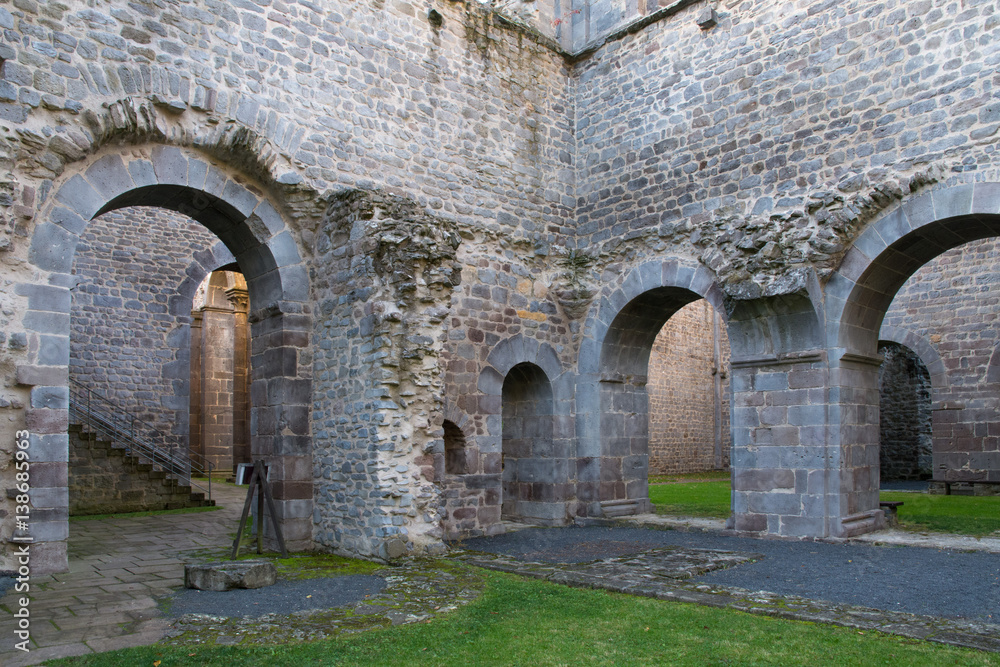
x=443, y=207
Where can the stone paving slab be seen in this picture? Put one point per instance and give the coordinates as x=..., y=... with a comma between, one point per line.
x=118, y=569
x=665, y=574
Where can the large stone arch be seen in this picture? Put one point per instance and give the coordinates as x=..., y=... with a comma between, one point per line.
x=611, y=401
x=254, y=232
x=857, y=297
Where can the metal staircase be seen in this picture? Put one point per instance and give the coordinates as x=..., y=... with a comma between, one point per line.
x=101, y=417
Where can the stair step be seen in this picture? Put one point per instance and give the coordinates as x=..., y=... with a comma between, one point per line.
x=613, y=509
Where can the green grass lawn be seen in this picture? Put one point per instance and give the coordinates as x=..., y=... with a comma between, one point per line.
x=528, y=622
x=704, y=499
x=704, y=476
x=966, y=515
x=963, y=515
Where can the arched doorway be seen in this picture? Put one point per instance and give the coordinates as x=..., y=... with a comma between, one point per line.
x=535, y=476
x=858, y=297
x=625, y=329
x=252, y=230
x=904, y=387
x=688, y=390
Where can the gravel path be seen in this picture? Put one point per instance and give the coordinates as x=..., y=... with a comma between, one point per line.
x=917, y=580
x=284, y=597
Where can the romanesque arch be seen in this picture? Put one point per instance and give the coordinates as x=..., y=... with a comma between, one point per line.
x=922, y=348
x=534, y=468
x=254, y=232
x=518, y=369
x=612, y=404
x=858, y=295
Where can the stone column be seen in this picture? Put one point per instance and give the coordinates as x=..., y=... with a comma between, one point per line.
x=239, y=297
x=217, y=377
x=196, y=446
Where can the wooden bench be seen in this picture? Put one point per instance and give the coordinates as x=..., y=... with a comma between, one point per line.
x=890, y=507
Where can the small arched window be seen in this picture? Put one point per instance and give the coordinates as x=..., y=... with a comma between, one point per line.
x=455, y=460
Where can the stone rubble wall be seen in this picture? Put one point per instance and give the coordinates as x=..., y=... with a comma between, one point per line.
x=388, y=269
x=766, y=143
x=754, y=151
x=472, y=117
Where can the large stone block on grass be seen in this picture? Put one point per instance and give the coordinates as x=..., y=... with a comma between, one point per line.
x=226, y=575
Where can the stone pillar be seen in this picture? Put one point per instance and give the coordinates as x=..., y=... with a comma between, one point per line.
x=239, y=297
x=280, y=406
x=46, y=423
x=854, y=431
x=196, y=446
x=781, y=459
x=624, y=485
x=217, y=376
x=805, y=424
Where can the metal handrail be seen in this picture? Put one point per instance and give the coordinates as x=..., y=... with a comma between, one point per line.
x=102, y=417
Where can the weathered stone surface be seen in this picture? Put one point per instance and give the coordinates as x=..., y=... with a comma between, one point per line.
x=404, y=197
x=227, y=575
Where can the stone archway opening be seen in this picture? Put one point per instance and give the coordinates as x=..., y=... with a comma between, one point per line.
x=128, y=360
x=904, y=415
x=456, y=456
x=254, y=235
x=688, y=389
x=947, y=308
x=535, y=476
x=637, y=407
x=858, y=298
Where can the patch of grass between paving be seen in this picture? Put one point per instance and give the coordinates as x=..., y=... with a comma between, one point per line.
x=521, y=622
x=313, y=566
x=921, y=512
x=703, y=499
x=132, y=515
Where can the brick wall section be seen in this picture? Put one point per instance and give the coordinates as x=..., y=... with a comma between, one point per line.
x=682, y=393
x=904, y=415
x=126, y=343
x=952, y=304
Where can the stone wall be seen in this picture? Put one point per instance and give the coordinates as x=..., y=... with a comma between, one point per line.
x=129, y=342
x=106, y=480
x=904, y=387
x=767, y=142
x=421, y=201
x=388, y=269
x=949, y=307
x=689, y=393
